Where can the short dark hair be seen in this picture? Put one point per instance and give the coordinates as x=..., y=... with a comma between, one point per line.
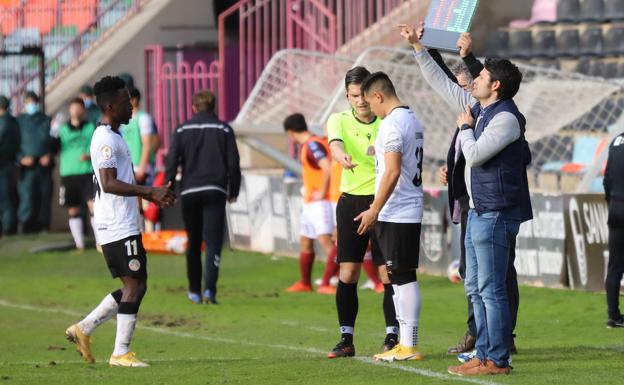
x=77, y=101
x=204, y=101
x=380, y=82
x=356, y=75
x=86, y=89
x=134, y=93
x=296, y=123
x=4, y=103
x=507, y=74
x=106, y=90
x=31, y=95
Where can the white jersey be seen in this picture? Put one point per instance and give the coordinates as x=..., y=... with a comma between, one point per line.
x=401, y=132
x=116, y=217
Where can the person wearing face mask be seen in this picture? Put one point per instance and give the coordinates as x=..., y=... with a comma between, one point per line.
x=87, y=96
x=36, y=164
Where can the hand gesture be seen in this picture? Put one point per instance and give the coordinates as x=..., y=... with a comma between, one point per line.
x=443, y=175
x=27, y=161
x=162, y=196
x=464, y=43
x=465, y=118
x=346, y=163
x=420, y=30
x=367, y=219
x=410, y=34
x=44, y=161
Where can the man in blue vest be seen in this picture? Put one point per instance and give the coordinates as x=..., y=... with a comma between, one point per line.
x=496, y=152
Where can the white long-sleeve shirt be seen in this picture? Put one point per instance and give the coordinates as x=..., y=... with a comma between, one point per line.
x=501, y=131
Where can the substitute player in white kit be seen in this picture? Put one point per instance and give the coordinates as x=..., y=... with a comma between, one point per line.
x=116, y=215
x=396, y=213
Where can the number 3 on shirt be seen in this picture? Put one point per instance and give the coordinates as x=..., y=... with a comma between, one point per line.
x=131, y=247
x=419, y=159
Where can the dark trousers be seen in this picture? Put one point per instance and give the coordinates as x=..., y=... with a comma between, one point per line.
x=513, y=295
x=615, y=269
x=7, y=203
x=35, y=198
x=204, y=220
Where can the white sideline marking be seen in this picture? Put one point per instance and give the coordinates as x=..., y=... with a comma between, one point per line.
x=366, y=360
x=298, y=325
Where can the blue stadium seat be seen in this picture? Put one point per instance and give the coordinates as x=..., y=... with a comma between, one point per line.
x=545, y=43
x=592, y=10
x=520, y=43
x=568, y=43
x=614, y=9
x=568, y=11
x=611, y=70
x=591, y=42
x=584, y=66
x=597, y=69
x=614, y=41
x=498, y=43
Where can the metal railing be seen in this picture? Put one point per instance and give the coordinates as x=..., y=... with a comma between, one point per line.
x=65, y=30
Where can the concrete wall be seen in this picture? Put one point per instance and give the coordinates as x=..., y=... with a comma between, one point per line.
x=181, y=22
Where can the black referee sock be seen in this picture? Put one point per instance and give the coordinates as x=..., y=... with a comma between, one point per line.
x=347, y=306
x=392, y=325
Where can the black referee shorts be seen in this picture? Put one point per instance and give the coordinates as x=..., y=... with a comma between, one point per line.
x=399, y=244
x=351, y=245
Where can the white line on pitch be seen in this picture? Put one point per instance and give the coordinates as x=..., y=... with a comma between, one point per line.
x=366, y=360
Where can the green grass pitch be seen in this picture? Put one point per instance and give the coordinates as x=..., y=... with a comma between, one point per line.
x=261, y=335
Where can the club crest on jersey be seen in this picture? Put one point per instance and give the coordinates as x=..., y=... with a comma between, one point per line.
x=134, y=264
x=107, y=152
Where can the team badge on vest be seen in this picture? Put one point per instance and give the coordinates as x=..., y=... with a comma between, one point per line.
x=134, y=264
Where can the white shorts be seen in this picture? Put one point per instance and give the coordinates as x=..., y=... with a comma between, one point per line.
x=316, y=219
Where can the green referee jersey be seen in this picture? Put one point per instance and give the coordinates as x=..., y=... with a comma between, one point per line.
x=74, y=143
x=358, y=139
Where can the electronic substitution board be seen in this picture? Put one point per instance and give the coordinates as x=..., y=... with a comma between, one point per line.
x=446, y=20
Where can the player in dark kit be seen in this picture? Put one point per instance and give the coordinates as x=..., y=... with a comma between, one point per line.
x=116, y=215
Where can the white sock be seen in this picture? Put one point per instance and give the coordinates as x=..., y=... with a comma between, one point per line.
x=77, y=230
x=102, y=313
x=125, y=329
x=94, y=227
x=409, y=303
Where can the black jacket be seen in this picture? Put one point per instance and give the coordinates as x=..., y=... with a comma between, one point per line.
x=614, y=177
x=456, y=184
x=206, y=149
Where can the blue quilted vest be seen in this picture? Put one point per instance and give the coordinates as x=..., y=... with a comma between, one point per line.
x=501, y=183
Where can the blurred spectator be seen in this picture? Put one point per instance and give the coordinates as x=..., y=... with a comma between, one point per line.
x=138, y=134
x=9, y=147
x=36, y=165
x=88, y=97
x=73, y=139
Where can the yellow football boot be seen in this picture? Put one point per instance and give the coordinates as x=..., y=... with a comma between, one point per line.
x=127, y=360
x=399, y=353
x=82, y=341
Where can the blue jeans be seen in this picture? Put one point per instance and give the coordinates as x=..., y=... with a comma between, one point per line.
x=489, y=237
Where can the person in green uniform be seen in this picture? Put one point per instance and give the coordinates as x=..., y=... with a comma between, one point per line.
x=351, y=136
x=73, y=141
x=93, y=111
x=138, y=134
x=36, y=164
x=9, y=147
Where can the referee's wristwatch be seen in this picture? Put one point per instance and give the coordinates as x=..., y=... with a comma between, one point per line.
x=465, y=127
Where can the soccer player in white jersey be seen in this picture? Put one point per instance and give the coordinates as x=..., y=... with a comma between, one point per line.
x=396, y=213
x=116, y=215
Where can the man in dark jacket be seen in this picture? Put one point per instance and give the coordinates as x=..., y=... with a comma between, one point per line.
x=205, y=149
x=614, y=193
x=496, y=152
x=453, y=175
x=36, y=161
x=9, y=147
